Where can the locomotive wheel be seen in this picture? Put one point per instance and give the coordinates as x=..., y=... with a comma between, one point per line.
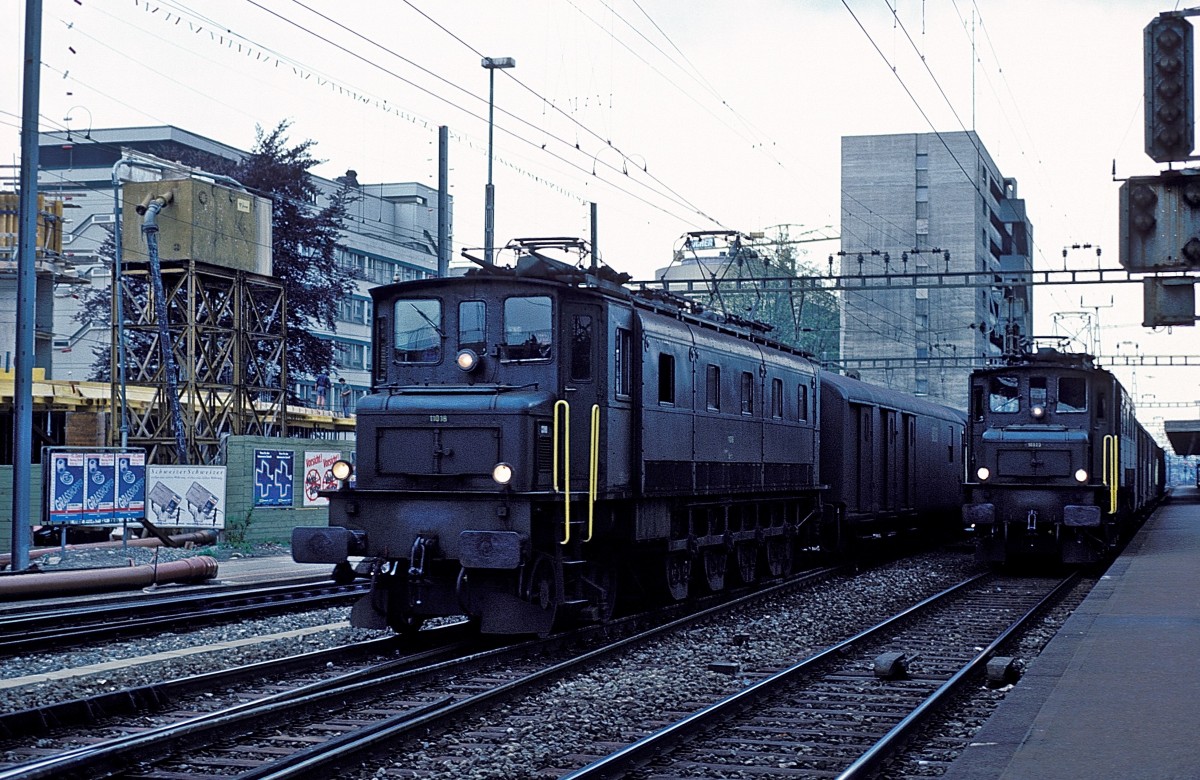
x=747, y=561
x=678, y=572
x=406, y=625
x=604, y=592
x=541, y=587
x=716, y=562
x=779, y=556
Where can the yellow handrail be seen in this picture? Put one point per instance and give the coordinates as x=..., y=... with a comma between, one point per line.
x=566, y=440
x=593, y=469
x=1111, y=470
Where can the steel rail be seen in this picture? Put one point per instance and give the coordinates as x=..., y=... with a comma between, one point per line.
x=111, y=756
x=622, y=761
x=892, y=741
x=48, y=629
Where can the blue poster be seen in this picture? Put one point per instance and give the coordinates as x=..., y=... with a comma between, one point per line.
x=273, y=471
x=131, y=486
x=99, y=487
x=66, y=487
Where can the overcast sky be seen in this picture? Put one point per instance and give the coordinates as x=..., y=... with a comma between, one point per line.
x=670, y=116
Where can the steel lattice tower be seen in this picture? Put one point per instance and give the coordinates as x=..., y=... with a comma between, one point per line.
x=228, y=331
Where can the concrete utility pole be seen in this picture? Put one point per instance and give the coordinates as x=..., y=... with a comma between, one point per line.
x=26, y=287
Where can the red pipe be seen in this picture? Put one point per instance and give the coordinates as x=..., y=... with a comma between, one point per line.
x=59, y=583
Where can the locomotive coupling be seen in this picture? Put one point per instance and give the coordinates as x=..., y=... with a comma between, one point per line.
x=326, y=545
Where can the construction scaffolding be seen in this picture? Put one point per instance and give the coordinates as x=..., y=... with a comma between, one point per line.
x=227, y=331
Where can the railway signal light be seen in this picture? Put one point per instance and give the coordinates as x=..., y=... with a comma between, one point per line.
x=1170, y=125
x=1160, y=222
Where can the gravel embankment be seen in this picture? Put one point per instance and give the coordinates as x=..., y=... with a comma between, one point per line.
x=616, y=698
x=660, y=682
x=134, y=674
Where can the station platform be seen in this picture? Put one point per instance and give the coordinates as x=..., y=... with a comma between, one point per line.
x=1116, y=693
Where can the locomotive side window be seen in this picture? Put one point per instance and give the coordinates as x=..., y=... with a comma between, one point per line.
x=527, y=328
x=472, y=326
x=418, y=331
x=777, y=398
x=747, y=393
x=1072, y=394
x=624, y=363
x=977, y=402
x=581, y=348
x=802, y=402
x=1004, y=395
x=712, y=381
x=666, y=378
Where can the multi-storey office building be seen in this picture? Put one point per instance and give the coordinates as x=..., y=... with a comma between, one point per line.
x=920, y=202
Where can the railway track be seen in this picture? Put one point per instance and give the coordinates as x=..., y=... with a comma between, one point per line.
x=844, y=711
x=309, y=730
x=95, y=622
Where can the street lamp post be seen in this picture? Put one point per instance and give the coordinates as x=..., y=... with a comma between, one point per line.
x=489, y=192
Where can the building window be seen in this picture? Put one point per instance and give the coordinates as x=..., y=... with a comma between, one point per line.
x=666, y=378
x=713, y=385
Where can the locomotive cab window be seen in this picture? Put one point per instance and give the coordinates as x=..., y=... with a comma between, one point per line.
x=472, y=326
x=527, y=328
x=418, y=331
x=1072, y=394
x=1037, y=391
x=1005, y=394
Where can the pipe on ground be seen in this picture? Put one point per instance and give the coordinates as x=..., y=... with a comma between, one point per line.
x=60, y=583
x=196, y=537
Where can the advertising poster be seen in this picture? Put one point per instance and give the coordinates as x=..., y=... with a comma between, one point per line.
x=273, y=474
x=131, y=486
x=186, y=496
x=318, y=475
x=99, y=481
x=66, y=487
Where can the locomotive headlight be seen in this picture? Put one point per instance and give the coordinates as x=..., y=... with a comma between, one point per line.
x=342, y=469
x=502, y=473
x=467, y=360
x=1081, y=475
x=1038, y=412
x=983, y=473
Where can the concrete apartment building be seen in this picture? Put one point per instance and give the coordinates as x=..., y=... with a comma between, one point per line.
x=919, y=203
x=390, y=235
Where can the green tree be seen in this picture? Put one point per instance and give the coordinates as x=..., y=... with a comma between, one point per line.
x=755, y=286
x=303, y=242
